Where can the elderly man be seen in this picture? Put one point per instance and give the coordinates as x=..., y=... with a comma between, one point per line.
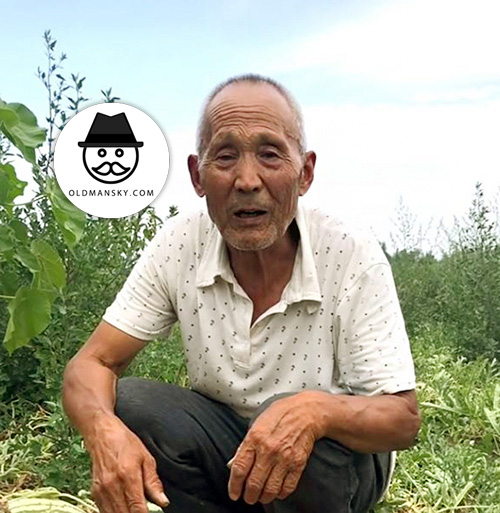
x=301, y=374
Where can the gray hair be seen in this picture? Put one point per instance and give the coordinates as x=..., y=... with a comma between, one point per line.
x=203, y=134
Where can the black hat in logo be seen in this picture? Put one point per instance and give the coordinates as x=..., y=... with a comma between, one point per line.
x=111, y=131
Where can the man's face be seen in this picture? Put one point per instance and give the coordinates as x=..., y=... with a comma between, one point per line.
x=252, y=172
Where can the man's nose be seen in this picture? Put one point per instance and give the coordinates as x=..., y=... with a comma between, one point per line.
x=247, y=175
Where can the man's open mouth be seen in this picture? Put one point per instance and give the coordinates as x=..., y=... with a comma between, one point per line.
x=242, y=214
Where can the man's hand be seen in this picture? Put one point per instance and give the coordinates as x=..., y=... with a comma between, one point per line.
x=123, y=470
x=275, y=451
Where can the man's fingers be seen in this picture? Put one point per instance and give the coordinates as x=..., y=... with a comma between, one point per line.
x=257, y=479
x=274, y=484
x=136, y=500
x=290, y=483
x=152, y=484
x=109, y=498
x=125, y=492
x=240, y=468
x=254, y=486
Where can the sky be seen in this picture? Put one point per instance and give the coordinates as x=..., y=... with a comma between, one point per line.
x=401, y=99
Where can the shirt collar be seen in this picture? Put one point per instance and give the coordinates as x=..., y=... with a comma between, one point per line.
x=303, y=285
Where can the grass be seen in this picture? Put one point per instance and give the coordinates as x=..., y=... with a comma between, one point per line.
x=454, y=467
x=39, y=448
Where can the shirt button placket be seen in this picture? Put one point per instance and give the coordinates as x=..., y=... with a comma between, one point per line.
x=242, y=320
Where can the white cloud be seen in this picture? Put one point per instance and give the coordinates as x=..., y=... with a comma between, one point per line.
x=430, y=156
x=467, y=94
x=411, y=41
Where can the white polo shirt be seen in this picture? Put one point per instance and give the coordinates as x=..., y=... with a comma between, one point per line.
x=338, y=326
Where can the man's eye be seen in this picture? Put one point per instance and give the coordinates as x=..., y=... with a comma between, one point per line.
x=269, y=155
x=225, y=157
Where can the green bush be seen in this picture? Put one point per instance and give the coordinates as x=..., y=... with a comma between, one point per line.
x=162, y=360
x=420, y=282
x=460, y=290
x=69, y=271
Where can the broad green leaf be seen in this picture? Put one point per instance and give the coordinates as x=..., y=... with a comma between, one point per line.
x=27, y=258
x=52, y=272
x=6, y=239
x=20, y=126
x=71, y=220
x=7, y=116
x=20, y=230
x=8, y=282
x=29, y=316
x=10, y=186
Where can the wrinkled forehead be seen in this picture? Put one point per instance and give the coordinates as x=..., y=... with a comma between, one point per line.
x=248, y=107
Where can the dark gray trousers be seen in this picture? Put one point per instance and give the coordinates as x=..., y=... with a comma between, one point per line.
x=193, y=437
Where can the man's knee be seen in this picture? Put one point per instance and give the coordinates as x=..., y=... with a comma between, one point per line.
x=156, y=412
x=131, y=400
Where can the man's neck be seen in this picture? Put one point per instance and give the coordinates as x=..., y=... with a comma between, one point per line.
x=264, y=274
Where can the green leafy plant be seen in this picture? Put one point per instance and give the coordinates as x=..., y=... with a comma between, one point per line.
x=29, y=304
x=67, y=267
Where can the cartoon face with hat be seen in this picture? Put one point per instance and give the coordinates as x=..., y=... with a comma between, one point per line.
x=110, y=151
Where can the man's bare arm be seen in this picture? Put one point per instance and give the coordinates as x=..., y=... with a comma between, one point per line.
x=123, y=470
x=91, y=375
x=370, y=424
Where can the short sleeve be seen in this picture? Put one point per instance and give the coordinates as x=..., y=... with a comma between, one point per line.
x=373, y=349
x=143, y=308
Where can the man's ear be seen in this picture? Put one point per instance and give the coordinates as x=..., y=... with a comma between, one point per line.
x=307, y=172
x=194, y=172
